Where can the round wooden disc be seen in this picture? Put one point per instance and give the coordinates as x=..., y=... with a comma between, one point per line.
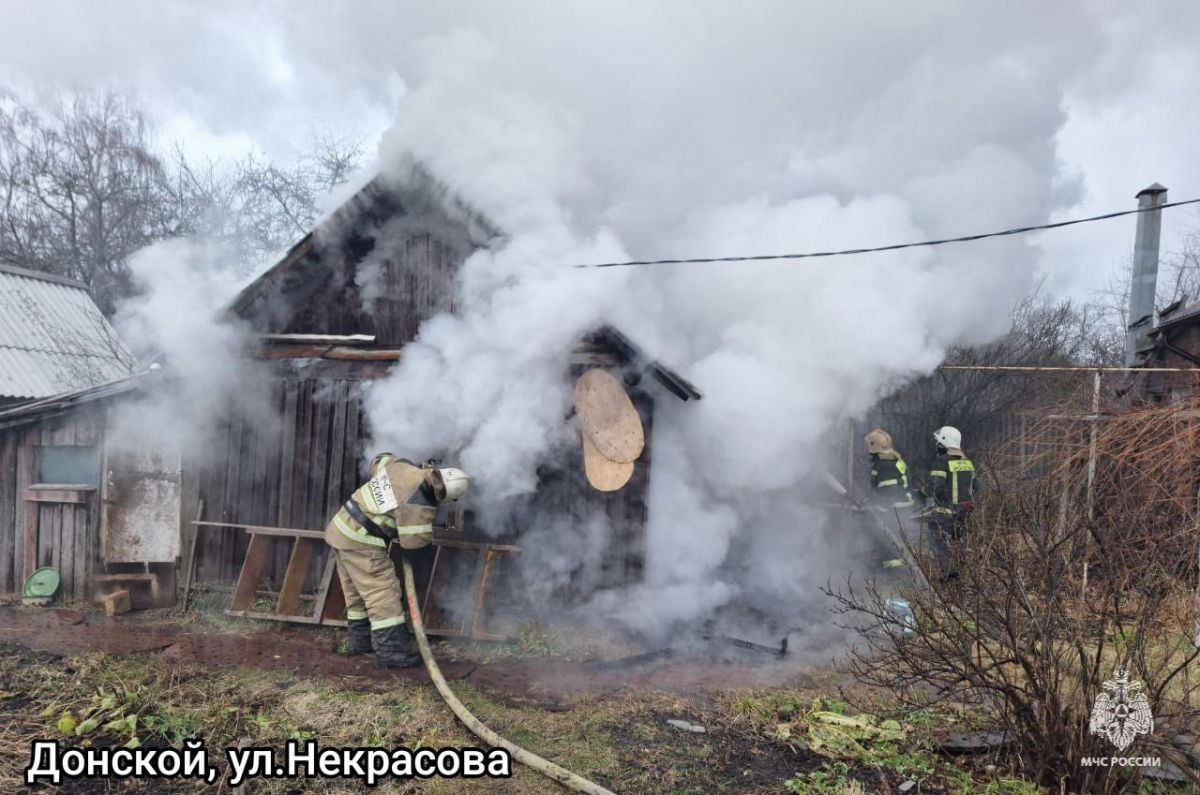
x=608, y=416
x=603, y=473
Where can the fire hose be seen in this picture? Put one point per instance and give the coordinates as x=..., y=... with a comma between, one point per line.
x=527, y=758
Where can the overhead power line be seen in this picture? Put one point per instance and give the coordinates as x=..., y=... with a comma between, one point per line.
x=1020, y=230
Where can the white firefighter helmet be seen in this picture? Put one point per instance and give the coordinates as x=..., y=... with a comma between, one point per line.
x=450, y=483
x=949, y=437
x=878, y=441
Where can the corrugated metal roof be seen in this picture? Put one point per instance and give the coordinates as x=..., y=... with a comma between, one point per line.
x=1184, y=316
x=53, y=337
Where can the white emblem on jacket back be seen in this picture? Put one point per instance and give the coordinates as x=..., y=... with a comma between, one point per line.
x=381, y=491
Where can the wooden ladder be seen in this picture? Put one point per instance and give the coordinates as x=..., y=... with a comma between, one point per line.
x=329, y=602
x=474, y=623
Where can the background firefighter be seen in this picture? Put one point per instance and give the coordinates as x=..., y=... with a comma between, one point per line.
x=891, y=500
x=397, y=507
x=952, y=487
x=889, y=473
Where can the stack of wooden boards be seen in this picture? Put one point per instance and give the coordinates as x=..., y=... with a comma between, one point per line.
x=613, y=437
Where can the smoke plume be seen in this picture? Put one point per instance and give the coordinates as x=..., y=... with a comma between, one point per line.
x=177, y=321
x=640, y=132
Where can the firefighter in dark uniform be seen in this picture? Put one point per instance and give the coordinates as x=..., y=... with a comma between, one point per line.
x=889, y=473
x=889, y=482
x=951, y=486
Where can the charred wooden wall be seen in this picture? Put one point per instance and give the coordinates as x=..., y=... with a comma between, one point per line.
x=384, y=263
x=299, y=472
x=65, y=527
x=564, y=494
x=294, y=473
x=386, y=294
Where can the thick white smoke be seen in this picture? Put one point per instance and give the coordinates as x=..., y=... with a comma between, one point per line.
x=718, y=132
x=176, y=319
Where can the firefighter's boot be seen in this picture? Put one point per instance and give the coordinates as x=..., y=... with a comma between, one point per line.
x=359, y=631
x=394, y=648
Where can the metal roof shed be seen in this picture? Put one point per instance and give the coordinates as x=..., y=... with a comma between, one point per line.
x=53, y=338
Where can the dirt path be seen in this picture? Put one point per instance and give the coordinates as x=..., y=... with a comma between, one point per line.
x=66, y=631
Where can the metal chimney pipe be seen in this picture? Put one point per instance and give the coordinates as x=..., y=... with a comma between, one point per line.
x=1144, y=283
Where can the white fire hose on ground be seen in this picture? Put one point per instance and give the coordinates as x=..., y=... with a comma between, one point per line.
x=527, y=758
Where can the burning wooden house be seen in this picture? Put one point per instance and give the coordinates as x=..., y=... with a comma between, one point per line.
x=333, y=315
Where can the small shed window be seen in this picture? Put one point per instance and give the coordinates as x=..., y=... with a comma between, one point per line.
x=75, y=465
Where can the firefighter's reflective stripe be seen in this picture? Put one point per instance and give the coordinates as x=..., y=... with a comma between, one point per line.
x=351, y=529
x=384, y=623
x=956, y=465
x=892, y=482
x=414, y=529
x=356, y=615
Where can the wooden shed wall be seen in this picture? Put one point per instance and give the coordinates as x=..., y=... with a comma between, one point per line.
x=349, y=286
x=67, y=533
x=298, y=473
x=293, y=474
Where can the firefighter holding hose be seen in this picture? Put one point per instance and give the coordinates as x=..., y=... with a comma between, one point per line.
x=396, y=506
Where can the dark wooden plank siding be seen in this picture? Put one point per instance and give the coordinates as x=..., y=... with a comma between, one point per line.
x=67, y=533
x=9, y=443
x=388, y=295
x=295, y=474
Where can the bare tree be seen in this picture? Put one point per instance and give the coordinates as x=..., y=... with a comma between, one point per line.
x=81, y=190
x=1180, y=279
x=253, y=207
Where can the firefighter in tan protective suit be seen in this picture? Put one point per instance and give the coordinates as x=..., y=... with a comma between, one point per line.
x=396, y=506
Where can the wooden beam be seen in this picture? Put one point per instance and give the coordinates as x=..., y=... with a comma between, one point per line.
x=31, y=538
x=342, y=352
x=40, y=493
x=294, y=576
x=251, y=574
x=318, y=339
x=190, y=574
x=331, y=599
x=447, y=542
x=288, y=532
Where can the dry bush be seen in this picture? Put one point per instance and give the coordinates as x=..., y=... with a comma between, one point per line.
x=1063, y=578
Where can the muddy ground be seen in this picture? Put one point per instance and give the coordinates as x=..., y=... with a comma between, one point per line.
x=230, y=682
x=309, y=653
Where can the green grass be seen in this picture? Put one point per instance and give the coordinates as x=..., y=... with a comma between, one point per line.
x=755, y=741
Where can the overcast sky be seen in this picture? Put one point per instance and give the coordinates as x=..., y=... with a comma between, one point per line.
x=1109, y=88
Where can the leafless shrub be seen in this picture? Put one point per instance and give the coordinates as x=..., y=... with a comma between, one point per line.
x=1068, y=572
